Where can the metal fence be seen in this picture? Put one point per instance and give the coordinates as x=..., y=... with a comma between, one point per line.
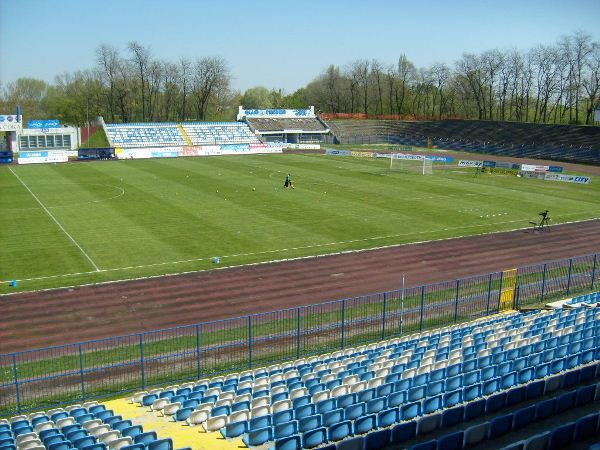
x=38, y=379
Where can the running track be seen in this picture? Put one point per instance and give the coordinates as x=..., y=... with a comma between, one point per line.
x=34, y=320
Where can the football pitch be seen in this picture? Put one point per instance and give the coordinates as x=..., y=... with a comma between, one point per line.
x=72, y=224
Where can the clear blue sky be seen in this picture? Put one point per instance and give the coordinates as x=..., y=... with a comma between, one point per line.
x=279, y=44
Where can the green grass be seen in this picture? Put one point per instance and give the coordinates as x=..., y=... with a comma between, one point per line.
x=154, y=217
x=97, y=140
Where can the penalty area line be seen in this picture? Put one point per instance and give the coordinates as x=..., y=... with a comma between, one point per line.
x=47, y=211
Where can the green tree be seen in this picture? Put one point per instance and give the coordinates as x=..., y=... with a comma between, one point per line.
x=257, y=97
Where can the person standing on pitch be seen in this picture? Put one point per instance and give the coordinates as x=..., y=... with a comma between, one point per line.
x=288, y=182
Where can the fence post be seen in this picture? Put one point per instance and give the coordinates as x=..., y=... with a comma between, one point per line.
x=487, y=313
x=343, y=323
x=569, y=279
x=594, y=271
x=516, y=301
x=383, y=318
x=299, y=333
x=142, y=361
x=543, y=282
x=250, y=341
x=500, y=290
x=198, y=350
x=16, y=375
x=81, y=372
x=456, y=302
x=422, y=307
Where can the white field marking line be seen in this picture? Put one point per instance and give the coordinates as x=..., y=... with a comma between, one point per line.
x=47, y=211
x=117, y=269
x=260, y=263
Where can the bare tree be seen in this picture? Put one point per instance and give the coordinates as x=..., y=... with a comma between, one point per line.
x=210, y=75
x=107, y=58
x=140, y=58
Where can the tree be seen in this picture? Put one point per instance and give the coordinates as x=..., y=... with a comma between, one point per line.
x=210, y=78
x=140, y=58
x=258, y=97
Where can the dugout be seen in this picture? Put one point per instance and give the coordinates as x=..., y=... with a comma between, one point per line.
x=96, y=153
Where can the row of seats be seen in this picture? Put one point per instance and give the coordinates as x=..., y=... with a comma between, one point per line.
x=80, y=427
x=486, y=357
x=219, y=133
x=199, y=133
x=586, y=300
x=581, y=430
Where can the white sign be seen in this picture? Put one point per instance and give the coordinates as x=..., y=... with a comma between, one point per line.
x=302, y=146
x=52, y=156
x=10, y=123
x=534, y=168
x=567, y=178
x=469, y=163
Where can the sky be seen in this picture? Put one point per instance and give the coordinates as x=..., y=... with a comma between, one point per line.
x=279, y=44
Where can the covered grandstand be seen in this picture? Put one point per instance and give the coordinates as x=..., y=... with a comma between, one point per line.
x=289, y=126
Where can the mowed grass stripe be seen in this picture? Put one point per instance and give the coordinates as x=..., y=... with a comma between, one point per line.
x=32, y=243
x=166, y=216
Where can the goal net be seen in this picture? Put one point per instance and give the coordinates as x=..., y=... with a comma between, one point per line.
x=420, y=165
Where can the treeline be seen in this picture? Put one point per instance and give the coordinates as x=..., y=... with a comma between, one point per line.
x=557, y=83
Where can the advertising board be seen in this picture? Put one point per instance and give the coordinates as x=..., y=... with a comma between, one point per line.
x=10, y=122
x=534, y=168
x=54, y=123
x=567, y=178
x=52, y=156
x=469, y=163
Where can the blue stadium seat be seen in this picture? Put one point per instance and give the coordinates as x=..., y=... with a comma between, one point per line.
x=495, y=402
x=429, y=445
x=388, y=417
x=523, y=417
x=500, y=425
x=476, y=434
x=429, y=423
x=258, y=436
x=565, y=401
x=309, y=423
x=333, y=416
x=365, y=424
x=404, y=432
x=235, y=429
x=285, y=429
x=340, y=431
x=586, y=427
x=452, y=441
x=289, y=443
x=161, y=444
x=377, y=440
x=585, y=395
x=562, y=436
x=474, y=409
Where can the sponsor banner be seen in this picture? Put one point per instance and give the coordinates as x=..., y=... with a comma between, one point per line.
x=54, y=123
x=489, y=164
x=148, y=152
x=275, y=113
x=202, y=150
x=538, y=175
x=440, y=159
x=504, y=165
x=303, y=146
x=555, y=169
x=363, y=154
x=331, y=151
x=469, y=163
x=42, y=157
x=10, y=123
x=534, y=168
x=567, y=178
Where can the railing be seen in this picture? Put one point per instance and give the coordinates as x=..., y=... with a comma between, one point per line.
x=38, y=379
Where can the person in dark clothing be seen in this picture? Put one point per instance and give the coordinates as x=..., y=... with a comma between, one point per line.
x=288, y=182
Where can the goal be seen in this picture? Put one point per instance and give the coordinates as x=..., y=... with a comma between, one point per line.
x=421, y=165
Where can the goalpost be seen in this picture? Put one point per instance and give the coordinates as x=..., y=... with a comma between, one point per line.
x=421, y=165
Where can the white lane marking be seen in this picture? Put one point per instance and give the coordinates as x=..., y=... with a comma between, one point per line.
x=47, y=211
x=233, y=266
